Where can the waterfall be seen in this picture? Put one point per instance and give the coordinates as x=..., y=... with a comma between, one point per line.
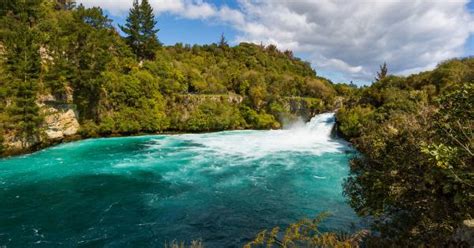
x=321, y=125
x=313, y=137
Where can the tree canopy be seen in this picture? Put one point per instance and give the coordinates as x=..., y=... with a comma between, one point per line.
x=124, y=85
x=140, y=28
x=415, y=174
x=382, y=73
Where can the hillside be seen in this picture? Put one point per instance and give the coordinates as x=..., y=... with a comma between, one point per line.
x=67, y=73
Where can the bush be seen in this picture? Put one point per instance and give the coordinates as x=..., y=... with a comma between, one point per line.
x=413, y=176
x=352, y=121
x=306, y=233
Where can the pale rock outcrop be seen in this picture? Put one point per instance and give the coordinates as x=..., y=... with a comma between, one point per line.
x=60, y=122
x=60, y=116
x=14, y=142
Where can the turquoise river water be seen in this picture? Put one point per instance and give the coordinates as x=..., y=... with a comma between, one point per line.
x=221, y=188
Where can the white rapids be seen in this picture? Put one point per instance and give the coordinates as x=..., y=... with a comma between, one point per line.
x=313, y=137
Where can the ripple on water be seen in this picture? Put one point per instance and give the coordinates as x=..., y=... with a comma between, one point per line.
x=143, y=191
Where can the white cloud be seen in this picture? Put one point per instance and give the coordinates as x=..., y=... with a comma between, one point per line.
x=116, y=7
x=184, y=8
x=354, y=37
x=235, y=17
x=346, y=37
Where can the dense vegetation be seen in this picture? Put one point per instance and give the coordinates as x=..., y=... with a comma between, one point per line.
x=133, y=84
x=415, y=174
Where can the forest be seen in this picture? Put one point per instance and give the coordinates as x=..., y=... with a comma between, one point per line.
x=414, y=172
x=75, y=56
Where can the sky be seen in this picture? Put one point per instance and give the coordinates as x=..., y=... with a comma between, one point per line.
x=343, y=40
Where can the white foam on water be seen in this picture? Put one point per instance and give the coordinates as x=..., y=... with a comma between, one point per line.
x=237, y=147
x=314, y=138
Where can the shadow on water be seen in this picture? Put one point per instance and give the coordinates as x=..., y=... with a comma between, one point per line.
x=144, y=191
x=140, y=210
x=113, y=210
x=77, y=210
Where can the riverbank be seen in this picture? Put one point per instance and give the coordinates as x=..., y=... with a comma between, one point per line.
x=201, y=113
x=334, y=133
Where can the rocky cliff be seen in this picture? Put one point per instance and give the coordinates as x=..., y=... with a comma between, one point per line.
x=60, y=121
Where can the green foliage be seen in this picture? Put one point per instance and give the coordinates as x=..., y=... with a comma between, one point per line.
x=89, y=129
x=132, y=28
x=214, y=116
x=382, y=73
x=182, y=244
x=74, y=54
x=65, y=4
x=259, y=120
x=441, y=154
x=353, y=120
x=414, y=176
x=133, y=104
x=2, y=147
x=141, y=31
x=306, y=233
x=21, y=41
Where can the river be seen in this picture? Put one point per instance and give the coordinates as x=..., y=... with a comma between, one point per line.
x=221, y=188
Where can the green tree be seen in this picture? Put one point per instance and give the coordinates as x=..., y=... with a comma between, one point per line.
x=223, y=42
x=414, y=174
x=140, y=30
x=23, y=66
x=65, y=4
x=149, y=30
x=94, y=47
x=132, y=29
x=382, y=73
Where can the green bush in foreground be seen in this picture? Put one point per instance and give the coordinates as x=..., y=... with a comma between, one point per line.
x=177, y=244
x=415, y=173
x=306, y=233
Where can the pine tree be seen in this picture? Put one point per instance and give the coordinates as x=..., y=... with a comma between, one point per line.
x=223, y=42
x=91, y=55
x=140, y=30
x=382, y=73
x=148, y=23
x=26, y=70
x=22, y=66
x=132, y=29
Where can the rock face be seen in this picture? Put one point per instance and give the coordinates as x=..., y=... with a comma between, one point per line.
x=60, y=116
x=60, y=121
x=195, y=99
x=304, y=107
x=13, y=143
